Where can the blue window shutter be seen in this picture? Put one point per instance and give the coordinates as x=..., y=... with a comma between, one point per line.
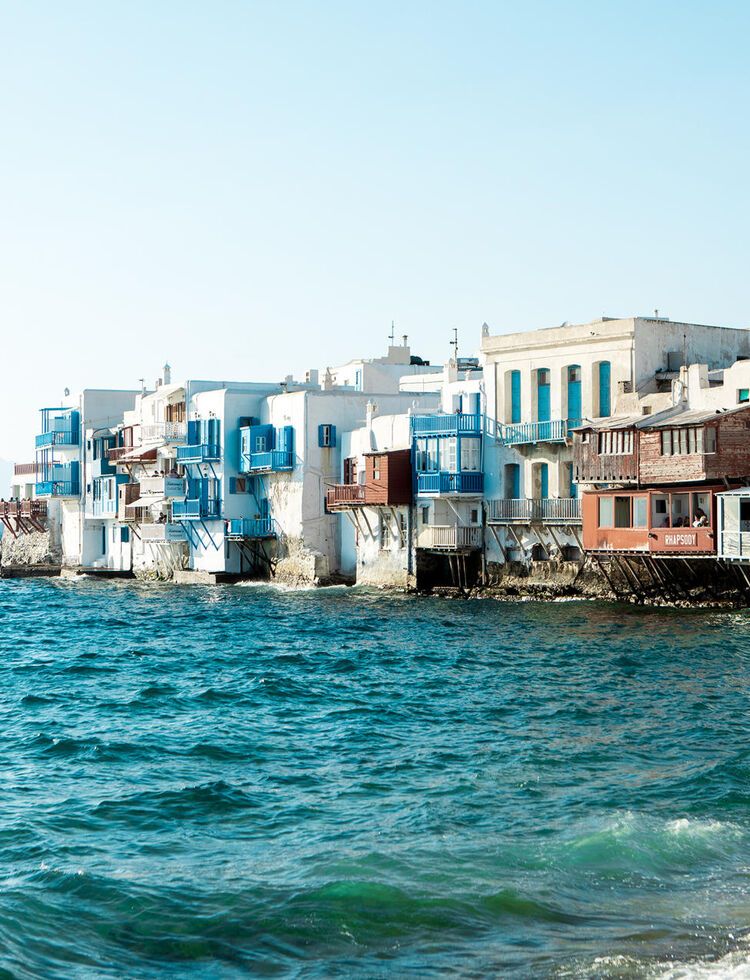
x=543, y=406
x=287, y=439
x=124, y=534
x=515, y=396
x=476, y=399
x=544, y=480
x=264, y=509
x=605, y=390
x=193, y=433
x=322, y=435
x=574, y=396
x=571, y=480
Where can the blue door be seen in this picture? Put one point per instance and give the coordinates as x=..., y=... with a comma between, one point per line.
x=571, y=481
x=542, y=395
x=515, y=396
x=605, y=382
x=543, y=481
x=574, y=395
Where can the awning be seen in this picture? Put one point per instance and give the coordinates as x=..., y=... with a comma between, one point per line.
x=148, y=501
x=139, y=453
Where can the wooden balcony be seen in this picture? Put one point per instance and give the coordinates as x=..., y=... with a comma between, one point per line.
x=449, y=537
x=25, y=469
x=345, y=495
x=23, y=516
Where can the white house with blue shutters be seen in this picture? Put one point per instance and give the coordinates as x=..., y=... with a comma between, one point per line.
x=540, y=384
x=293, y=450
x=64, y=470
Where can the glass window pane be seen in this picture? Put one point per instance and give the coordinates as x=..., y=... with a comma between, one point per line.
x=605, y=511
x=640, y=512
x=622, y=511
x=710, y=439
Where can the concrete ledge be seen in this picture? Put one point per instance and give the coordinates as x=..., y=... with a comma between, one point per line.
x=189, y=577
x=30, y=571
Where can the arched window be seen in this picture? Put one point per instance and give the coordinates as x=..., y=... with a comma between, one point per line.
x=574, y=395
x=543, y=404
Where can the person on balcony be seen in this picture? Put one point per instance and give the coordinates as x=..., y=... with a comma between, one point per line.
x=700, y=519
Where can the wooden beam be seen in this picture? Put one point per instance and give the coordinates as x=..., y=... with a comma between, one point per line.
x=500, y=545
x=604, y=572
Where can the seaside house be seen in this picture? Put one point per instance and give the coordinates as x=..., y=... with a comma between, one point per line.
x=543, y=385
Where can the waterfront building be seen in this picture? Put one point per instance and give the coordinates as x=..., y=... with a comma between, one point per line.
x=62, y=474
x=374, y=497
x=542, y=385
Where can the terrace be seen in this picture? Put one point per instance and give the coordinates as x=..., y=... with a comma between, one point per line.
x=562, y=510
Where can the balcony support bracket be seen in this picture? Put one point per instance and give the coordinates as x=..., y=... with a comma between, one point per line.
x=500, y=545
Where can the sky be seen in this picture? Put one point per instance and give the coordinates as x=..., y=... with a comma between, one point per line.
x=251, y=189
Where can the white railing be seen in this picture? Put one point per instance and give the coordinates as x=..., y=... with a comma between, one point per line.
x=551, y=510
x=520, y=433
x=450, y=537
x=169, y=431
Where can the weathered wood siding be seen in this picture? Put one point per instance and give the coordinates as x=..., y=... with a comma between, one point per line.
x=593, y=467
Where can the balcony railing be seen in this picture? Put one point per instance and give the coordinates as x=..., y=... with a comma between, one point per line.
x=274, y=461
x=449, y=483
x=58, y=488
x=117, y=452
x=449, y=537
x=346, y=495
x=34, y=508
x=24, y=469
x=425, y=425
x=194, y=510
x=523, y=433
x=206, y=452
x=166, y=431
x=252, y=527
x=162, y=532
x=57, y=437
x=562, y=510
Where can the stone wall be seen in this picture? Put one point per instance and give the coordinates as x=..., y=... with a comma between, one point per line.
x=27, y=550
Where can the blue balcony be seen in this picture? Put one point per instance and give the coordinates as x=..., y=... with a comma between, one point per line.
x=443, y=482
x=252, y=527
x=272, y=461
x=527, y=433
x=58, y=488
x=60, y=427
x=196, y=510
x=204, y=453
x=447, y=425
x=57, y=437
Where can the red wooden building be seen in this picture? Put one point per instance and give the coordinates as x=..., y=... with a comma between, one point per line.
x=387, y=482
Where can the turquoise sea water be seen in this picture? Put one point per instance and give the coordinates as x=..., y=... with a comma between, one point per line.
x=230, y=781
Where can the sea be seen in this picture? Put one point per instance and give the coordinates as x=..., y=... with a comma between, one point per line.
x=239, y=780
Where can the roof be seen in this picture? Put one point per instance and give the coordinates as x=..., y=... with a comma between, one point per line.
x=690, y=417
x=611, y=422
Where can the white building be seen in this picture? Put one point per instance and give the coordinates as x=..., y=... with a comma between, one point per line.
x=541, y=384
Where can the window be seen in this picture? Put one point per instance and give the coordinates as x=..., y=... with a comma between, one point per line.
x=660, y=510
x=743, y=395
x=385, y=534
x=427, y=455
x=326, y=436
x=260, y=444
x=474, y=515
x=512, y=481
x=426, y=514
x=574, y=373
x=448, y=454
x=605, y=511
x=402, y=529
x=680, y=510
x=471, y=455
x=238, y=484
x=622, y=511
x=543, y=376
x=376, y=468
x=688, y=441
x=618, y=443
x=640, y=511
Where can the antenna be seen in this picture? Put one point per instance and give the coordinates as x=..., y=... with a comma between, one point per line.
x=392, y=334
x=454, y=343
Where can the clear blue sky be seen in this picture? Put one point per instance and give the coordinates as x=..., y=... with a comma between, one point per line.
x=249, y=189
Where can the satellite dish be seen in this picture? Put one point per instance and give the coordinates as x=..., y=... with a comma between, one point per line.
x=67, y=392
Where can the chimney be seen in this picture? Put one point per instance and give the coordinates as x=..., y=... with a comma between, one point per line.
x=406, y=340
x=167, y=374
